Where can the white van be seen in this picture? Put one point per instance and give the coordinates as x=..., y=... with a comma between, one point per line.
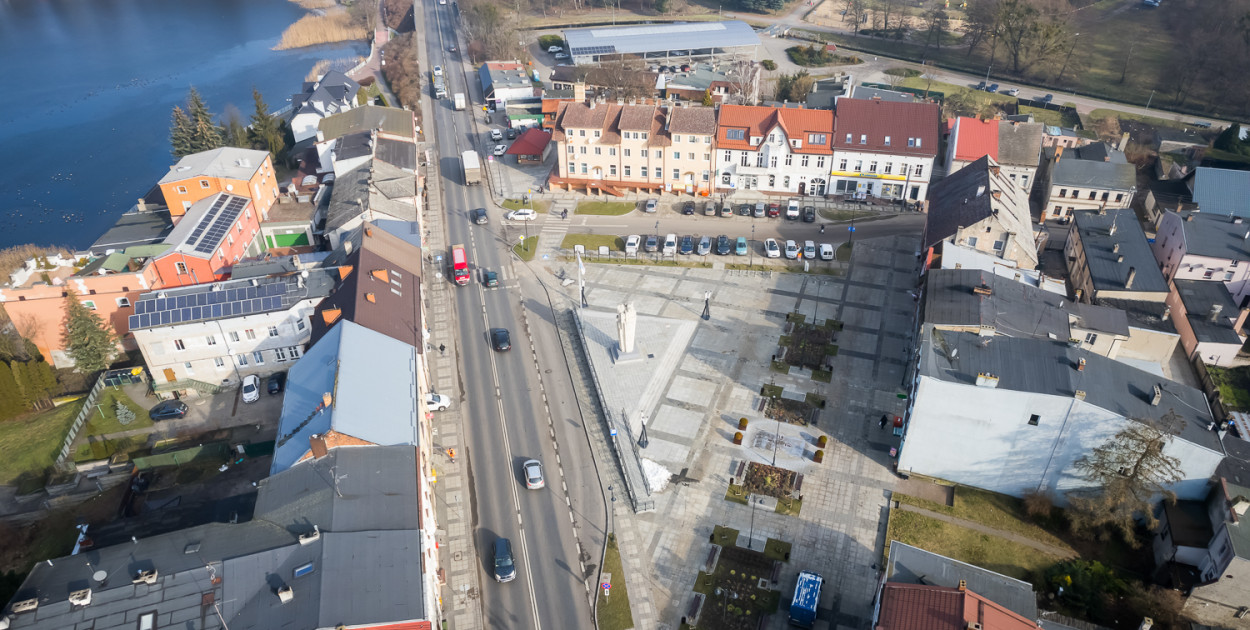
x=670, y=245
x=826, y=251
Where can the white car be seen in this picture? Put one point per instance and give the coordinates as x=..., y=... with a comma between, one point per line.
x=442, y=1
x=670, y=245
x=437, y=402
x=500, y=149
x=792, y=209
x=496, y=135
x=809, y=250
x=533, y=470
x=251, y=388
x=561, y=55
x=826, y=251
x=524, y=214
x=554, y=49
x=771, y=249
x=792, y=250
x=651, y=204
x=631, y=244
x=438, y=71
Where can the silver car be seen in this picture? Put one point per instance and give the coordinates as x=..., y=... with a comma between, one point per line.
x=533, y=470
x=651, y=204
x=705, y=246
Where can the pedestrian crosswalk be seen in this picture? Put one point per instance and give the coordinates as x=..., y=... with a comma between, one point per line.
x=554, y=229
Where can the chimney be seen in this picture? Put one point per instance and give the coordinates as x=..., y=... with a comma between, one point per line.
x=1119, y=258
x=1239, y=506
x=1111, y=230
x=1132, y=273
x=994, y=169
x=983, y=290
x=1080, y=364
x=1214, y=315
x=963, y=585
x=593, y=103
x=1115, y=249
x=1167, y=312
x=579, y=92
x=998, y=194
x=317, y=444
x=1157, y=397
x=286, y=594
x=985, y=379
x=142, y=205
x=1080, y=394
x=1058, y=152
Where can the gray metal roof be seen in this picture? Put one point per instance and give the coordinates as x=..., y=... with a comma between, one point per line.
x=1013, y=308
x=659, y=37
x=226, y=162
x=868, y=93
x=399, y=153
x=373, y=382
x=1216, y=235
x=1042, y=366
x=1200, y=298
x=1096, y=165
x=1222, y=190
x=1106, y=270
x=911, y=565
x=392, y=120
x=134, y=228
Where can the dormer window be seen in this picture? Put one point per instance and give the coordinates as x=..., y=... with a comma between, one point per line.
x=816, y=138
x=863, y=138
x=848, y=138
x=756, y=140
x=798, y=144
x=887, y=141
x=911, y=142
x=735, y=134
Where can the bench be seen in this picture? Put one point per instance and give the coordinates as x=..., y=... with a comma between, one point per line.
x=776, y=571
x=798, y=482
x=712, y=554
x=692, y=612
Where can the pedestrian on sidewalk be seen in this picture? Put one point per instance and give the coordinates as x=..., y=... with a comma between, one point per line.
x=442, y=349
x=885, y=417
x=822, y=228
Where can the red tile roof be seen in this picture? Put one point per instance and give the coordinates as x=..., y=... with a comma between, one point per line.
x=924, y=607
x=975, y=138
x=532, y=142
x=758, y=121
x=878, y=119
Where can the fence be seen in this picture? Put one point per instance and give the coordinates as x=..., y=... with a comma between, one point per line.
x=111, y=378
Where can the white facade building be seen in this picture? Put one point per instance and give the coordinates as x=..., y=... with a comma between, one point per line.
x=773, y=149
x=884, y=149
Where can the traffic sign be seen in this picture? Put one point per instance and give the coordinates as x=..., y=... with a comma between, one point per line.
x=851, y=228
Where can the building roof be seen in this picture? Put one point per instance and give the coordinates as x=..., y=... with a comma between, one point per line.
x=1222, y=190
x=1239, y=530
x=287, y=210
x=497, y=75
x=353, y=145
x=399, y=153
x=374, y=189
x=231, y=298
x=956, y=256
x=923, y=607
x=1013, y=309
x=1009, y=143
x=206, y=224
x=363, y=501
x=1096, y=165
x=757, y=122
x=625, y=40
x=599, y=77
x=1114, y=243
x=702, y=76
x=974, y=138
x=977, y=192
x=911, y=565
x=381, y=289
x=1042, y=366
x=1201, y=298
x=1216, y=235
x=694, y=120
x=225, y=162
x=325, y=96
x=372, y=381
x=392, y=120
x=533, y=142
x=1188, y=522
x=911, y=127
x=120, y=261
x=865, y=93
x=611, y=119
x=135, y=227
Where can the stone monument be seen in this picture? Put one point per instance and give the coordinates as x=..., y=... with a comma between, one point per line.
x=626, y=325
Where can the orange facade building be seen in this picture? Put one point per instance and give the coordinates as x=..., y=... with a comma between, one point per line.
x=242, y=172
x=215, y=233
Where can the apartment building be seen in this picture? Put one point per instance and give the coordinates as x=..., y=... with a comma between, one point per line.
x=774, y=149
x=242, y=172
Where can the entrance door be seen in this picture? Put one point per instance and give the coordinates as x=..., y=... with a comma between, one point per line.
x=169, y=375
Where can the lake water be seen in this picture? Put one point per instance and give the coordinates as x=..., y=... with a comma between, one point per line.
x=88, y=86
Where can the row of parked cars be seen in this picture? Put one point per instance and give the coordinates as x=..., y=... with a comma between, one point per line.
x=759, y=210
x=672, y=245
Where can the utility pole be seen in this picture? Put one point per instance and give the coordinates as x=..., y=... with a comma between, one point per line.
x=1059, y=79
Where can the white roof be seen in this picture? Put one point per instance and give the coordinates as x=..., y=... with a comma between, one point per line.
x=660, y=37
x=227, y=162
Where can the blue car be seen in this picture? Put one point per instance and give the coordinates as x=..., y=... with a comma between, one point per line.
x=741, y=248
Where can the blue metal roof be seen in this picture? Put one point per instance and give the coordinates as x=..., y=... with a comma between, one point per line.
x=660, y=37
x=1222, y=190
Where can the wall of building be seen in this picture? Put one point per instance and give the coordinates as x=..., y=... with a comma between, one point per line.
x=774, y=167
x=986, y=233
x=895, y=176
x=1217, y=603
x=1077, y=198
x=176, y=269
x=981, y=436
x=1145, y=344
x=262, y=188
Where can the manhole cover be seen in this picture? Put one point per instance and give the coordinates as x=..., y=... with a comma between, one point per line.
x=456, y=555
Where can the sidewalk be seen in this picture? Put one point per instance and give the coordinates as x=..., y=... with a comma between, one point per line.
x=1015, y=538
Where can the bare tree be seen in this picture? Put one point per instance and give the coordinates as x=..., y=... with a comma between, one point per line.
x=936, y=22
x=1125, y=474
x=929, y=74
x=744, y=82
x=1017, y=24
x=980, y=22
x=627, y=76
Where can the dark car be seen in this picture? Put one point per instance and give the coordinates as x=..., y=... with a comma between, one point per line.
x=686, y=245
x=512, y=133
x=774, y=210
x=981, y=85
x=993, y=87
x=479, y=216
x=275, y=383
x=490, y=279
x=723, y=245
x=500, y=340
x=744, y=210
x=505, y=565
x=809, y=214
x=687, y=208
x=651, y=244
x=168, y=410
x=1048, y=98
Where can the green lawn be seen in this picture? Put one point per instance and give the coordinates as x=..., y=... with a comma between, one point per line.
x=592, y=242
x=737, y=494
x=777, y=550
x=605, y=208
x=966, y=545
x=920, y=83
x=525, y=249
x=844, y=252
x=1099, y=114
x=725, y=536
x=789, y=506
x=29, y=445
x=1051, y=117
x=1234, y=385
x=614, y=613
x=104, y=420
x=999, y=511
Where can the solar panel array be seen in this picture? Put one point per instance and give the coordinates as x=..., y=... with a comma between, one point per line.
x=593, y=50
x=207, y=219
x=225, y=218
x=182, y=309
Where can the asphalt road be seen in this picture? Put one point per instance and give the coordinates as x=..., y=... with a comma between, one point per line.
x=504, y=409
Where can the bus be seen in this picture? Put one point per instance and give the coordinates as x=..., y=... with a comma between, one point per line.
x=459, y=265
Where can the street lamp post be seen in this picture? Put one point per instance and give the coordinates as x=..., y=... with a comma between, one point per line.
x=1059, y=79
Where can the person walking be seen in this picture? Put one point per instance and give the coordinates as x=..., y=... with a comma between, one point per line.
x=442, y=349
x=884, y=419
x=822, y=228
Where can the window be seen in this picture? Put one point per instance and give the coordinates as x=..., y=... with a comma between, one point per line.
x=772, y=181
x=279, y=354
x=598, y=150
x=626, y=171
x=611, y=150
x=251, y=334
x=803, y=161
x=612, y=170
x=706, y=175
x=859, y=166
x=1091, y=338
x=572, y=149
x=863, y=138
x=676, y=155
x=842, y=165
x=1206, y=275
x=182, y=190
x=581, y=132
x=659, y=174
x=626, y=152
x=759, y=160
x=123, y=302
x=772, y=162
x=789, y=159
x=234, y=336
x=919, y=171
x=212, y=340
x=1091, y=195
x=188, y=367
x=1228, y=276
x=242, y=359
x=584, y=169
x=180, y=268
x=1063, y=192
x=848, y=138
x=729, y=156
x=744, y=158
x=676, y=174
x=259, y=356
x=999, y=245
x=203, y=183
x=692, y=139
x=219, y=362
x=178, y=344
x=1119, y=197
x=645, y=153
x=872, y=166
x=644, y=135
x=707, y=157
x=1075, y=193
x=917, y=142
x=294, y=350
x=273, y=331
x=596, y=133
x=772, y=137
x=676, y=138
x=889, y=168
x=902, y=169
x=820, y=162
x=581, y=150
x=707, y=139
x=972, y=241
x=689, y=156
x=147, y=621
x=887, y=141
x=1034, y=419
x=911, y=142
x=816, y=138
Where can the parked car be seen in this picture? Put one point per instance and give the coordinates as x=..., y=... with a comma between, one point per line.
x=741, y=248
x=631, y=244
x=554, y=49
x=276, y=382
x=727, y=210
x=993, y=87
x=505, y=564
x=809, y=250
x=1048, y=98
x=650, y=205
x=705, y=246
x=512, y=133
x=826, y=251
x=809, y=214
x=1012, y=92
x=792, y=210
x=437, y=402
x=168, y=410
x=562, y=55
x=685, y=67
x=744, y=210
x=496, y=135
x=500, y=340
x=771, y=248
x=670, y=244
x=723, y=245
x=774, y=210
x=687, y=208
x=479, y=216
x=709, y=209
x=652, y=244
x=533, y=474
x=522, y=214
x=686, y=245
x=251, y=388
x=490, y=279
x=500, y=149
x=981, y=85
x=792, y=250
x=758, y=212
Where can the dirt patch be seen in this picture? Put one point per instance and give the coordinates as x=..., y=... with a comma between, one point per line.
x=769, y=480
x=927, y=490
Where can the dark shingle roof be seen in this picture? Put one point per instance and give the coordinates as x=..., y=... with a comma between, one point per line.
x=1096, y=165
x=1013, y=309
x=1106, y=269
x=911, y=565
x=1216, y=235
x=392, y=120
x=1201, y=297
x=966, y=198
